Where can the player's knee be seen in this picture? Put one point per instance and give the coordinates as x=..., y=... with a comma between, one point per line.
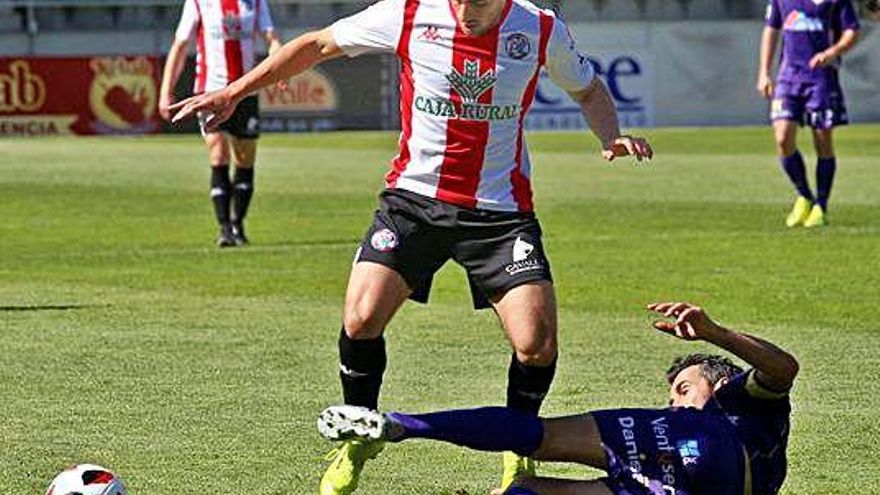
x=362, y=321
x=538, y=352
x=785, y=144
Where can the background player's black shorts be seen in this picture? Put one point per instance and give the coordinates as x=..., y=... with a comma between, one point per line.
x=415, y=235
x=245, y=121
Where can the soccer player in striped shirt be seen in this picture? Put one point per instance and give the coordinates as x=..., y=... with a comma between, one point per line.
x=225, y=32
x=815, y=33
x=725, y=432
x=459, y=187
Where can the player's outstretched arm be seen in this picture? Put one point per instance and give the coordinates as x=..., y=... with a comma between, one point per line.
x=774, y=367
x=295, y=57
x=598, y=108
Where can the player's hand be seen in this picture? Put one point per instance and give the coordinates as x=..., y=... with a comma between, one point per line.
x=765, y=86
x=821, y=59
x=164, y=103
x=690, y=321
x=215, y=107
x=628, y=145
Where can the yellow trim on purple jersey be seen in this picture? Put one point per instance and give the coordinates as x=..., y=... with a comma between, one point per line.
x=759, y=391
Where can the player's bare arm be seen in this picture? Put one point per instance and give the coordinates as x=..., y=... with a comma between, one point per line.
x=847, y=40
x=774, y=367
x=769, y=40
x=298, y=55
x=598, y=108
x=170, y=74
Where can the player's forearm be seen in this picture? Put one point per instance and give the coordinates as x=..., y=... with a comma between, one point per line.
x=768, y=48
x=173, y=68
x=598, y=108
x=844, y=44
x=295, y=57
x=778, y=368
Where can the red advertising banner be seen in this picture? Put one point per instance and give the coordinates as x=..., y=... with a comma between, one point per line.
x=97, y=95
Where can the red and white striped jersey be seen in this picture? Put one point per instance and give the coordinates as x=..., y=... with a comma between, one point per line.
x=225, y=32
x=463, y=98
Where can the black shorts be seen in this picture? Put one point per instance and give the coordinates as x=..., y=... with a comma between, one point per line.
x=415, y=235
x=245, y=121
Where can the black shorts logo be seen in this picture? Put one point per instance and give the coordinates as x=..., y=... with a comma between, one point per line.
x=522, y=250
x=383, y=241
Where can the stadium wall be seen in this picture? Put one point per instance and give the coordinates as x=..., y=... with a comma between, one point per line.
x=660, y=73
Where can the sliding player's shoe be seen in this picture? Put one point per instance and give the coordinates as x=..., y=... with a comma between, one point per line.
x=344, y=472
x=799, y=212
x=515, y=467
x=816, y=218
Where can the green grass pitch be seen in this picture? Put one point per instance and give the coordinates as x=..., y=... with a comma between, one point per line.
x=129, y=340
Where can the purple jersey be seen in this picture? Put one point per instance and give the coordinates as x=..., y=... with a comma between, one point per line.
x=760, y=419
x=808, y=27
x=736, y=444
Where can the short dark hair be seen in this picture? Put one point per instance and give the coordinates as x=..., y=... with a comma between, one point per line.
x=712, y=367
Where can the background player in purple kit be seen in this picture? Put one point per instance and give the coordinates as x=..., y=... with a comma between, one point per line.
x=815, y=33
x=725, y=432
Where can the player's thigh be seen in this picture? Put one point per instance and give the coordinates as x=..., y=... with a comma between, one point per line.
x=553, y=486
x=245, y=151
x=396, y=259
x=375, y=292
x=824, y=142
x=528, y=315
x=572, y=439
x=218, y=148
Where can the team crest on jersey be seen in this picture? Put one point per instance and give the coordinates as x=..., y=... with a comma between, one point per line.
x=518, y=46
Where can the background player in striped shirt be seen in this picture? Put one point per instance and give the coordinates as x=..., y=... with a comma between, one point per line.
x=460, y=185
x=815, y=33
x=225, y=32
x=725, y=432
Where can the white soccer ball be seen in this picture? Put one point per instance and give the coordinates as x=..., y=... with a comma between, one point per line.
x=86, y=479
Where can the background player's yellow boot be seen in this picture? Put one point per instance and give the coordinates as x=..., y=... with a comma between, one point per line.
x=515, y=466
x=816, y=218
x=341, y=477
x=799, y=212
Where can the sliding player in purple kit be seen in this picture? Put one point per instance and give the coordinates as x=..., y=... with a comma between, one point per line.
x=815, y=33
x=725, y=432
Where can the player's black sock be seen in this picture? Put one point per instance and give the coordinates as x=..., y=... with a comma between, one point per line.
x=825, y=169
x=528, y=385
x=361, y=365
x=242, y=191
x=221, y=190
x=797, y=173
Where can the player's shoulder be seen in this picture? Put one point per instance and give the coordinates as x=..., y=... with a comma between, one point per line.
x=531, y=7
x=748, y=383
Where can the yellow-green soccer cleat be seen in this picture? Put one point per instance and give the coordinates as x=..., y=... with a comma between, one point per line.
x=799, y=212
x=341, y=477
x=816, y=218
x=515, y=466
